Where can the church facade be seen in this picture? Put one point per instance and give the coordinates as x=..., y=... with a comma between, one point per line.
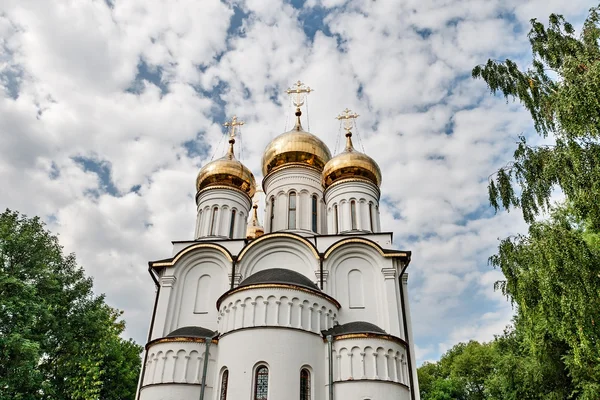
x=312, y=306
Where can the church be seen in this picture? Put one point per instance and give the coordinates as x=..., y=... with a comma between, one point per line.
x=312, y=304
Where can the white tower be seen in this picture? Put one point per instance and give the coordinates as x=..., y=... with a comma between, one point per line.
x=304, y=310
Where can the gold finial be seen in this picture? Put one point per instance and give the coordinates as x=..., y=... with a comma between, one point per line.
x=232, y=127
x=298, y=96
x=255, y=214
x=348, y=117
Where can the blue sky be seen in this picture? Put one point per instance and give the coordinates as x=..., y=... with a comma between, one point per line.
x=108, y=110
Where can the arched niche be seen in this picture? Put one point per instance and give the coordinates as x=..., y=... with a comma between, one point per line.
x=279, y=252
x=355, y=281
x=202, y=276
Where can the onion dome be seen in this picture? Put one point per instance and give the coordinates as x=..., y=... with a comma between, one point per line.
x=295, y=147
x=254, y=229
x=355, y=327
x=192, y=331
x=227, y=171
x=279, y=275
x=351, y=164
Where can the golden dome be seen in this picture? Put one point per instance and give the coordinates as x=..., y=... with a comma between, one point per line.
x=351, y=164
x=227, y=171
x=254, y=229
x=295, y=146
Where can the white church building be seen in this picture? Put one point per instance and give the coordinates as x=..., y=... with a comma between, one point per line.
x=313, y=306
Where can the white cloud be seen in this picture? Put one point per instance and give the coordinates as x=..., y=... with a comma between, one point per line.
x=404, y=66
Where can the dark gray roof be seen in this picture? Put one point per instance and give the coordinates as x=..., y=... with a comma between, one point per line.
x=279, y=275
x=192, y=331
x=354, y=327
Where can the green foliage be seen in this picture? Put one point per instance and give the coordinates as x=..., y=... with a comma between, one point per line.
x=560, y=91
x=57, y=339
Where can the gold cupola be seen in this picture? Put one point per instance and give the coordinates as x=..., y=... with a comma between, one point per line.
x=254, y=229
x=296, y=147
x=227, y=171
x=350, y=163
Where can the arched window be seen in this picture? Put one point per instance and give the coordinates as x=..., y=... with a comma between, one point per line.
x=272, y=213
x=213, y=221
x=224, y=381
x=304, y=384
x=371, y=217
x=353, y=214
x=314, y=213
x=232, y=224
x=292, y=211
x=199, y=230
x=335, y=218
x=261, y=383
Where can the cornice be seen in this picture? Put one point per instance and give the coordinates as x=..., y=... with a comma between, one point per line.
x=226, y=187
x=369, y=335
x=388, y=254
x=172, y=261
x=278, y=286
x=178, y=339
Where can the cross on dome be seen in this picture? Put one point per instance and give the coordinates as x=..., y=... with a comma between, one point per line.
x=298, y=93
x=348, y=119
x=232, y=125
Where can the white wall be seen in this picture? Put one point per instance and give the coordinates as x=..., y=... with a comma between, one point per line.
x=285, y=352
x=225, y=200
x=305, y=182
x=174, y=371
x=364, y=194
x=277, y=307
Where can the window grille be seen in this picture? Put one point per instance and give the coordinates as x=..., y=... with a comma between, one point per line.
x=261, y=383
x=304, y=384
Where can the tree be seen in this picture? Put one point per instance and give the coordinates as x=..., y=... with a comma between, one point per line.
x=553, y=272
x=57, y=339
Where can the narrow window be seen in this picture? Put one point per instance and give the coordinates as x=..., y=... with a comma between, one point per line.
x=213, y=221
x=261, y=383
x=353, y=214
x=304, y=384
x=335, y=218
x=199, y=231
x=292, y=212
x=232, y=224
x=272, y=212
x=371, y=217
x=224, y=380
x=314, y=214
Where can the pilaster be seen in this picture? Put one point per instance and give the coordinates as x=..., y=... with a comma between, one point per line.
x=162, y=309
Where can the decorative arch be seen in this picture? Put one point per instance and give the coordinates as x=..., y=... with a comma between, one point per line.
x=270, y=251
x=188, y=251
x=363, y=241
x=270, y=236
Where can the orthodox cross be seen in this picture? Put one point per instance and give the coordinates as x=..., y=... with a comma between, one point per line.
x=298, y=93
x=232, y=126
x=348, y=118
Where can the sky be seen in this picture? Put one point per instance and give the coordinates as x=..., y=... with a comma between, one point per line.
x=108, y=108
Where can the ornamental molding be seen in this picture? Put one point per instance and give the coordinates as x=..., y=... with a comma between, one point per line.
x=278, y=235
x=369, y=335
x=288, y=286
x=168, y=281
x=389, y=273
x=179, y=339
x=174, y=260
x=367, y=242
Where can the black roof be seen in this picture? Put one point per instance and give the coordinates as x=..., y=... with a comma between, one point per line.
x=279, y=275
x=192, y=331
x=354, y=327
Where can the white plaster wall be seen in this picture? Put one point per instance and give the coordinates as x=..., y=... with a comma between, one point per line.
x=370, y=289
x=278, y=252
x=284, y=351
x=370, y=359
x=182, y=301
x=225, y=200
x=276, y=307
x=305, y=182
x=372, y=390
x=363, y=193
x=174, y=371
